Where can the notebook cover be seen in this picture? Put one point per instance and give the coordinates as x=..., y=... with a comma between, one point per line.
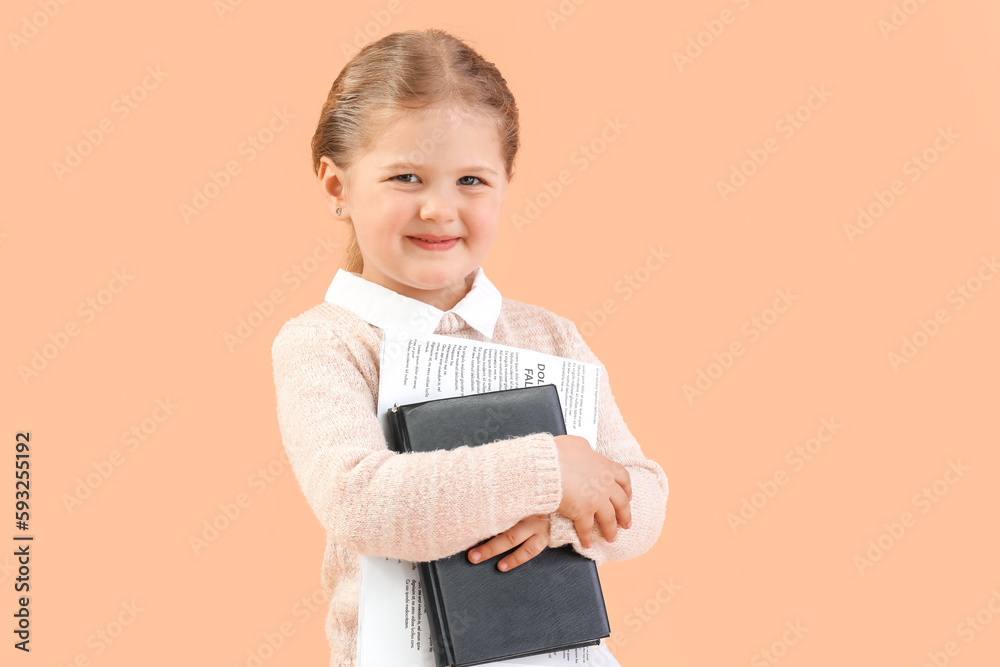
x=478, y=613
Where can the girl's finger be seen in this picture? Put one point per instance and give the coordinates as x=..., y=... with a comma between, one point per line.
x=497, y=545
x=531, y=548
x=624, y=479
x=622, y=507
x=606, y=522
x=584, y=530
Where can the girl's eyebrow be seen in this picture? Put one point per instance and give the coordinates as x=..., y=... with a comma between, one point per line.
x=402, y=166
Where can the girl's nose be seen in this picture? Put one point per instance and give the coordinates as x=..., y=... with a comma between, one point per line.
x=439, y=206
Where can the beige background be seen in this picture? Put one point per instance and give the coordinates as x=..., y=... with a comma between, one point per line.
x=162, y=336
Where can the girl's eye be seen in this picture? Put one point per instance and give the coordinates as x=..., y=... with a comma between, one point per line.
x=401, y=178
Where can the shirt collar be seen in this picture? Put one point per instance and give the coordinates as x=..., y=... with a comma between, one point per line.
x=386, y=309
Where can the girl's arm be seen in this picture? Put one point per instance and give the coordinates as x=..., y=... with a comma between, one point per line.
x=416, y=506
x=649, y=482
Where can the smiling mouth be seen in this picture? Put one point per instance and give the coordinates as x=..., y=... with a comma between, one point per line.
x=434, y=243
x=433, y=238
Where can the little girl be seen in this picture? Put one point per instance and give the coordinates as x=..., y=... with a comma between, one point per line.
x=414, y=150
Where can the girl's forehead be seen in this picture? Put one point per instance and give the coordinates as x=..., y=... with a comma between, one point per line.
x=440, y=134
x=433, y=132
x=441, y=116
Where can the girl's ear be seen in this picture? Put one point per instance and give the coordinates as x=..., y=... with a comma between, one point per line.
x=332, y=183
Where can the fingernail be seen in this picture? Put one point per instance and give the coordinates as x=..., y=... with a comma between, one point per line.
x=503, y=566
x=629, y=524
x=475, y=556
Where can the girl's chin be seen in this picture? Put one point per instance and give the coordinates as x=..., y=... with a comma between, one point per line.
x=437, y=278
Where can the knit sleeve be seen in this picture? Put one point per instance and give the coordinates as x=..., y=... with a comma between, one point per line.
x=649, y=482
x=416, y=506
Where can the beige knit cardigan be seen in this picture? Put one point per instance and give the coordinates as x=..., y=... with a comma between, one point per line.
x=428, y=505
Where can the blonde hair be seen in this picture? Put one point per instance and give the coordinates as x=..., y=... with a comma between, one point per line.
x=407, y=71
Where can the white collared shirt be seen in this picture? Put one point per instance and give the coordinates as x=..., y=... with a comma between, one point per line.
x=408, y=317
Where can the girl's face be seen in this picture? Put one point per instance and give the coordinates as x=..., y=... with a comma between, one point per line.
x=433, y=174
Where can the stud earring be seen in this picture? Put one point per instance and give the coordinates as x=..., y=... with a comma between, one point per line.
x=338, y=210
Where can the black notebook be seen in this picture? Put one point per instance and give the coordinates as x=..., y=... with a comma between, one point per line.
x=476, y=612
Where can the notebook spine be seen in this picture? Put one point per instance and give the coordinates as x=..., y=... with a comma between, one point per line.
x=401, y=443
x=444, y=650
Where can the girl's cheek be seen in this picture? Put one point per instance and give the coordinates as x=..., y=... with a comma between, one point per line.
x=485, y=212
x=392, y=216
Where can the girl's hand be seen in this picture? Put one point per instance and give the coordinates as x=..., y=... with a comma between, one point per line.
x=595, y=489
x=531, y=532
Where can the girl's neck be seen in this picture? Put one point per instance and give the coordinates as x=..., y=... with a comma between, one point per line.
x=444, y=299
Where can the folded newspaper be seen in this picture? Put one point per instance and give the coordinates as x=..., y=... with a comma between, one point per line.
x=393, y=629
